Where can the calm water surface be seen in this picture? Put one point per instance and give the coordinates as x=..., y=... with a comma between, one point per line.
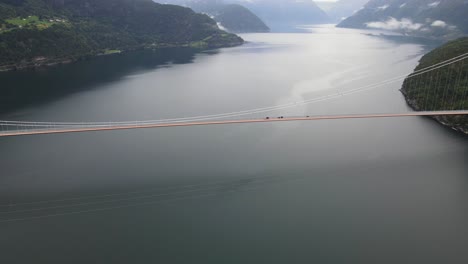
x=348, y=191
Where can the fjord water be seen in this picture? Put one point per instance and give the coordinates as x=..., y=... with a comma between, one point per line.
x=342, y=191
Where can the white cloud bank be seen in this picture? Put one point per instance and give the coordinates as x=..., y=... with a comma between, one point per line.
x=395, y=24
x=434, y=4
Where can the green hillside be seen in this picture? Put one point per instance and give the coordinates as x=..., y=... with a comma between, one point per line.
x=46, y=31
x=442, y=89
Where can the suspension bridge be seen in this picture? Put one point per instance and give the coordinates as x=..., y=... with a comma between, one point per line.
x=438, y=90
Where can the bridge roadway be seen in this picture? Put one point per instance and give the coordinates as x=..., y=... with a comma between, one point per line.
x=141, y=124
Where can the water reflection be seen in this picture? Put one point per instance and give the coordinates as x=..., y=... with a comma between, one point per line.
x=33, y=87
x=312, y=192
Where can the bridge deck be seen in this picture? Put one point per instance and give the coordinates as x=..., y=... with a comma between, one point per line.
x=142, y=124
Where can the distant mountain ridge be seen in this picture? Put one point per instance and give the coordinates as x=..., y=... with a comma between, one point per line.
x=231, y=17
x=285, y=15
x=38, y=32
x=278, y=15
x=446, y=19
x=342, y=9
x=238, y=19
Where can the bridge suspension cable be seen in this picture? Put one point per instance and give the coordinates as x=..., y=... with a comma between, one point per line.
x=263, y=109
x=414, y=79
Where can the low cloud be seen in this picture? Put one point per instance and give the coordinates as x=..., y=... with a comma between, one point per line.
x=221, y=26
x=357, y=10
x=434, y=4
x=395, y=24
x=383, y=7
x=439, y=23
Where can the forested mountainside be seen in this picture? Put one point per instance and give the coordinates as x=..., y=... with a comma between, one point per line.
x=36, y=32
x=446, y=19
x=442, y=89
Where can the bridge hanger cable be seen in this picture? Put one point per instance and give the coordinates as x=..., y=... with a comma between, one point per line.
x=465, y=92
x=457, y=84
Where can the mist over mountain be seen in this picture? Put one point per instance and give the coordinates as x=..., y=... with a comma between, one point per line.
x=231, y=17
x=446, y=19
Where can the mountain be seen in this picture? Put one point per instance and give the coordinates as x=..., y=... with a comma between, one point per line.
x=341, y=9
x=285, y=15
x=231, y=17
x=236, y=18
x=38, y=32
x=279, y=15
x=424, y=92
x=445, y=19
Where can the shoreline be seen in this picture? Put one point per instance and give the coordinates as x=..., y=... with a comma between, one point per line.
x=45, y=62
x=439, y=119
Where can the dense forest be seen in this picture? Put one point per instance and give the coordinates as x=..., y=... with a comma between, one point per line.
x=36, y=32
x=445, y=88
